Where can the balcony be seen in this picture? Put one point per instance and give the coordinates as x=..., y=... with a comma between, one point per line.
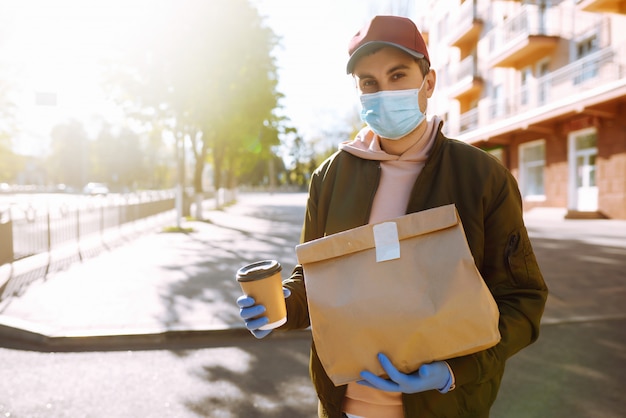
x=524, y=39
x=466, y=82
x=467, y=26
x=583, y=86
x=603, y=6
x=469, y=120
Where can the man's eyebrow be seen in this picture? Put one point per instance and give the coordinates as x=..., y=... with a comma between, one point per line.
x=362, y=76
x=398, y=67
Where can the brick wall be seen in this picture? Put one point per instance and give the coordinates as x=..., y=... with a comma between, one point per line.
x=611, y=174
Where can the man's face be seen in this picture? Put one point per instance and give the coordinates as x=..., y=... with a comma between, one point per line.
x=387, y=69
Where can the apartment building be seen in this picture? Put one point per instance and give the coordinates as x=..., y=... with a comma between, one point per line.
x=542, y=85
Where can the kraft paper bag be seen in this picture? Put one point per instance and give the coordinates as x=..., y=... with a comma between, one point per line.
x=408, y=288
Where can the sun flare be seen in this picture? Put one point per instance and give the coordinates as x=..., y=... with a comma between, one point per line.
x=52, y=55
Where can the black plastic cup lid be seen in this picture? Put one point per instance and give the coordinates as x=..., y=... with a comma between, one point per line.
x=259, y=270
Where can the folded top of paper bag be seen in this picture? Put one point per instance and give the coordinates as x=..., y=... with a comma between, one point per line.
x=363, y=237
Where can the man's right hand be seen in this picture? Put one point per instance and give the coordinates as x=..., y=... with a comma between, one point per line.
x=250, y=313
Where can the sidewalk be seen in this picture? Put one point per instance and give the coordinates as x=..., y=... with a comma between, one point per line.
x=159, y=286
x=164, y=286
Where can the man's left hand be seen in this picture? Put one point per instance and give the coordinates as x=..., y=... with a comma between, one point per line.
x=429, y=376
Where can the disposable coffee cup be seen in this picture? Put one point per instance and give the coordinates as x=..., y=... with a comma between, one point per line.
x=263, y=282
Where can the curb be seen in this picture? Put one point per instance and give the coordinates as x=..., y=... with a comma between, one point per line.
x=23, y=335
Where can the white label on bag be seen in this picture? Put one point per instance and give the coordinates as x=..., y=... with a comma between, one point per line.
x=386, y=241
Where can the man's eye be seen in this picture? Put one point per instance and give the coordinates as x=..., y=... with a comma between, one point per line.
x=397, y=76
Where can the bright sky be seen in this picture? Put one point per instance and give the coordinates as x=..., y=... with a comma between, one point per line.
x=312, y=58
x=58, y=45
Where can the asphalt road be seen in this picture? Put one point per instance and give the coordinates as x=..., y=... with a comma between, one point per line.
x=573, y=371
x=228, y=378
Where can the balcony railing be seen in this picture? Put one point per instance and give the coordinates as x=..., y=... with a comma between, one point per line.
x=593, y=71
x=530, y=21
x=465, y=79
x=469, y=120
x=467, y=68
x=467, y=24
x=529, y=33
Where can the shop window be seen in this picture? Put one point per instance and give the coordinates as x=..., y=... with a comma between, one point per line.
x=532, y=164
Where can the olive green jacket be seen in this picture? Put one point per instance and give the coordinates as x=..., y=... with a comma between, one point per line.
x=487, y=198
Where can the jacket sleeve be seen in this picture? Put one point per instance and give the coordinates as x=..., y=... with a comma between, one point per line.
x=297, y=306
x=511, y=272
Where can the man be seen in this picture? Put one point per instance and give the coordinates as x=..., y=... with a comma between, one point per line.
x=401, y=163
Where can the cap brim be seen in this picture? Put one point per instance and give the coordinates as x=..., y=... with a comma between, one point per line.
x=368, y=47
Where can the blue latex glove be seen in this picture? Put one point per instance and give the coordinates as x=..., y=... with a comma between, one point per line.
x=250, y=311
x=429, y=376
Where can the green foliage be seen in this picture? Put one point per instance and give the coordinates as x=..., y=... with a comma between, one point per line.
x=178, y=229
x=10, y=164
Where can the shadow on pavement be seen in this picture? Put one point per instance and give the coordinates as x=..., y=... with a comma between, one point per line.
x=573, y=370
x=267, y=378
x=585, y=281
x=243, y=235
x=576, y=367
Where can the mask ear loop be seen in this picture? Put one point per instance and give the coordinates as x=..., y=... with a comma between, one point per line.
x=423, y=81
x=418, y=96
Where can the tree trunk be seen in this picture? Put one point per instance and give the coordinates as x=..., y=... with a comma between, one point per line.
x=217, y=178
x=198, y=187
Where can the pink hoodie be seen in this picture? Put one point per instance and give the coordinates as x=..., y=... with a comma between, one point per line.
x=399, y=172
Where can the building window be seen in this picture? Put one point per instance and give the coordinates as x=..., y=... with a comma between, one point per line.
x=588, y=68
x=583, y=152
x=586, y=153
x=498, y=104
x=587, y=46
x=532, y=163
x=543, y=68
x=526, y=75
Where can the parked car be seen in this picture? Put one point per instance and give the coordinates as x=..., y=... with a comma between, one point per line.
x=96, y=189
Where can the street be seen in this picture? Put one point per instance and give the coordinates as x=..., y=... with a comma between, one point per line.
x=229, y=379
x=574, y=370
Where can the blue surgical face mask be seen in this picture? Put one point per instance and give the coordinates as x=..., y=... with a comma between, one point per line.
x=392, y=114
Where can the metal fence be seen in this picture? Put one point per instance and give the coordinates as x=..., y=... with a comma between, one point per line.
x=36, y=239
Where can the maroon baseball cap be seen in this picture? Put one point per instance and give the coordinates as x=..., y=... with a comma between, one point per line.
x=396, y=31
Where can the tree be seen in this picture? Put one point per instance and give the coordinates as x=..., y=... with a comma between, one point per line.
x=206, y=67
x=117, y=158
x=9, y=165
x=68, y=162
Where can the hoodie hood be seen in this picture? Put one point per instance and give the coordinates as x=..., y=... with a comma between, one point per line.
x=366, y=145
